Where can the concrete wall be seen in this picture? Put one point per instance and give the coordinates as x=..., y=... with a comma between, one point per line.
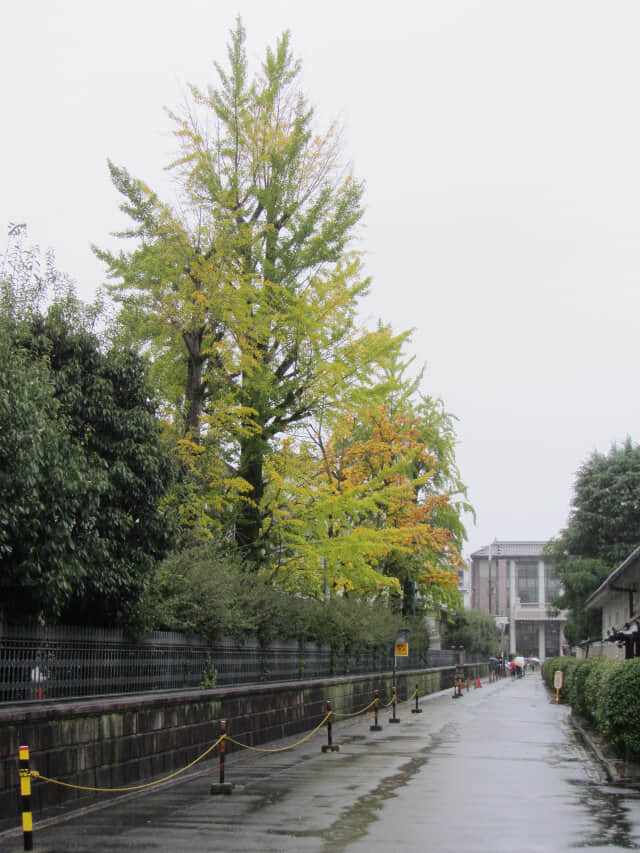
x=128, y=740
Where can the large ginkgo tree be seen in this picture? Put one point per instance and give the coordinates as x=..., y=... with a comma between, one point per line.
x=244, y=290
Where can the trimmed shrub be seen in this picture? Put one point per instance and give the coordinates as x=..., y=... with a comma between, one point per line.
x=605, y=692
x=576, y=689
x=619, y=706
x=593, y=691
x=206, y=591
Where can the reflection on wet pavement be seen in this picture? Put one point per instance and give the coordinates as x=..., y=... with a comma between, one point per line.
x=609, y=809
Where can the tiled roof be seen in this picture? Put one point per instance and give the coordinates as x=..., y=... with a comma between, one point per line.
x=597, y=599
x=511, y=549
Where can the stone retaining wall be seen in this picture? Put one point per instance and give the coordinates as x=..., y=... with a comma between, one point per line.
x=121, y=741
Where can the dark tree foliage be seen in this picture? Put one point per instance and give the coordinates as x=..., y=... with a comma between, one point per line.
x=476, y=632
x=42, y=497
x=83, y=473
x=603, y=529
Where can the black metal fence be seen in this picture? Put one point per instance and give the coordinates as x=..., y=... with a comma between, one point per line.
x=52, y=662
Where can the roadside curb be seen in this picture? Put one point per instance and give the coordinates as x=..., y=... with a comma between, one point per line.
x=618, y=770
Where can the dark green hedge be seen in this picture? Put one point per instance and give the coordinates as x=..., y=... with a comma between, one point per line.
x=607, y=693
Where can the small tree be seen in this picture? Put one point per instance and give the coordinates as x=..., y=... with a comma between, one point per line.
x=476, y=631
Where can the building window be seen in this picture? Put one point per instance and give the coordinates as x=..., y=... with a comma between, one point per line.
x=527, y=638
x=552, y=639
x=527, y=581
x=553, y=587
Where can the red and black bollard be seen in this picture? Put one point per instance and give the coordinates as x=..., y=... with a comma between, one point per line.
x=222, y=787
x=393, y=718
x=417, y=709
x=330, y=746
x=376, y=702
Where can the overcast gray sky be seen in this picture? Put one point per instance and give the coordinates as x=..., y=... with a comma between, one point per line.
x=499, y=141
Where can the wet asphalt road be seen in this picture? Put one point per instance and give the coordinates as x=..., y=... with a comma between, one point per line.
x=498, y=770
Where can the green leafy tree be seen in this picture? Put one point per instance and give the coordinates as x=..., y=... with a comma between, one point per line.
x=603, y=529
x=109, y=412
x=475, y=631
x=371, y=499
x=246, y=290
x=82, y=469
x=42, y=474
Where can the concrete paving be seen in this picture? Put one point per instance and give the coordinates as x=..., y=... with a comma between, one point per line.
x=500, y=769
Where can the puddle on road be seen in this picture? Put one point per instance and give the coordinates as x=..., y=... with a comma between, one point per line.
x=354, y=821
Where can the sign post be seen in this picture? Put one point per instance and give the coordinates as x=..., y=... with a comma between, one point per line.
x=401, y=649
x=402, y=643
x=557, y=683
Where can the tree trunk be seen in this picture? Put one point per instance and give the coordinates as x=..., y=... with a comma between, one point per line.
x=194, y=391
x=408, y=598
x=249, y=522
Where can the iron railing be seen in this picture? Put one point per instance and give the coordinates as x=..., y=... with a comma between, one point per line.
x=53, y=662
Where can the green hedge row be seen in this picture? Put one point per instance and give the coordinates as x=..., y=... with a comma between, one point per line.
x=604, y=692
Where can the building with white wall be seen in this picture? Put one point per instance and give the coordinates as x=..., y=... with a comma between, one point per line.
x=619, y=599
x=512, y=581
x=464, y=587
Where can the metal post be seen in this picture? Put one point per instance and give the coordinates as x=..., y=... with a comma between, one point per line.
x=417, y=709
x=376, y=702
x=222, y=787
x=25, y=798
x=393, y=718
x=223, y=749
x=330, y=745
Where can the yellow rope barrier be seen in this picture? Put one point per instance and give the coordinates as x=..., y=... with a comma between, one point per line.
x=36, y=775
x=282, y=748
x=409, y=698
x=402, y=701
x=356, y=713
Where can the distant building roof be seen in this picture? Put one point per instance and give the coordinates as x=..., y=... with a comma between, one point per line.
x=511, y=549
